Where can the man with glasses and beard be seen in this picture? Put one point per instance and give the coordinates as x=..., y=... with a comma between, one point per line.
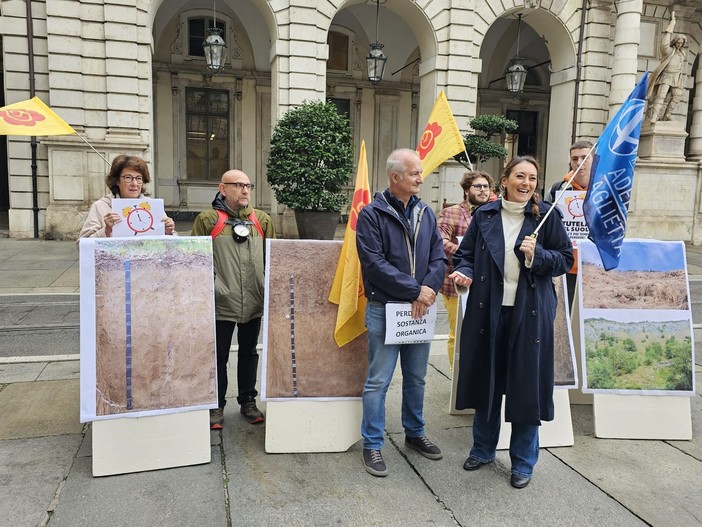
x=453, y=223
x=238, y=243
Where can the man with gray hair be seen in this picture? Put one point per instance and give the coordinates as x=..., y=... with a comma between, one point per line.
x=402, y=259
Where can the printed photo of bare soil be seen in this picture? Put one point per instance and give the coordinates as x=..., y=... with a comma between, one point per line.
x=564, y=355
x=301, y=355
x=633, y=289
x=650, y=275
x=154, y=327
x=642, y=356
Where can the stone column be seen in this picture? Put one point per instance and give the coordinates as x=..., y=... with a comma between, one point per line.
x=696, y=126
x=626, y=51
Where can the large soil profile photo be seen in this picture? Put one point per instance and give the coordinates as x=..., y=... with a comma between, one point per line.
x=301, y=356
x=154, y=325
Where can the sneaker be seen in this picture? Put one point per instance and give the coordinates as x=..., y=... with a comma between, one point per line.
x=373, y=460
x=252, y=414
x=217, y=419
x=424, y=446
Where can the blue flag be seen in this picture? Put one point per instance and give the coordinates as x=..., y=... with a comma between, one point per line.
x=607, y=200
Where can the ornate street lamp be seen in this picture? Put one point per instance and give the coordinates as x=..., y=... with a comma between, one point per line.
x=214, y=46
x=376, y=59
x=516, y=73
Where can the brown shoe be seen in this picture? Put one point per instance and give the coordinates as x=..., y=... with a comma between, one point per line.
x=251, y=412
x=217, y=419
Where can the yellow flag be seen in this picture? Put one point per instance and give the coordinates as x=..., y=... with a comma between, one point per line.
x=347, y=289
x=32, y=117
x=441, y=138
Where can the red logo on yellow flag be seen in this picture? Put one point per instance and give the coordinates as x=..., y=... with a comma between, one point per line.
x=347, y=289
x=441, y=138
x=428, y=139
x=32, y=117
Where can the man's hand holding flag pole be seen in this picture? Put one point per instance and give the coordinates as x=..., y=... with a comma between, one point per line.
x=606, y=203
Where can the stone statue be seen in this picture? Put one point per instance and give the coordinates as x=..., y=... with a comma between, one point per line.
x=669, y=75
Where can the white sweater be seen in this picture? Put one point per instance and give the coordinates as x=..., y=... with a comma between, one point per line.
x=512, y=221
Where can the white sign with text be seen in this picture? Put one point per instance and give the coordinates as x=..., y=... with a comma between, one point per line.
x=401, y=328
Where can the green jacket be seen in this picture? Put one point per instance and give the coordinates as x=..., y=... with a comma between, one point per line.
x=238, y=267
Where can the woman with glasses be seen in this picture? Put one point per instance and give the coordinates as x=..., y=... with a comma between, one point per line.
x=126, y=179
x=507, y=332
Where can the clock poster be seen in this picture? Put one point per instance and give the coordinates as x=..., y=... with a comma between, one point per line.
x=140, y=217
x=571, y=206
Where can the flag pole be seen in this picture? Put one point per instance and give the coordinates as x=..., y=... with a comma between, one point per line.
x=559, y=195
x=91, y=146
x=470, y=165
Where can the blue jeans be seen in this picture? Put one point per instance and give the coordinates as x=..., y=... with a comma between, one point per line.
x=381, y=365
x=524, y=441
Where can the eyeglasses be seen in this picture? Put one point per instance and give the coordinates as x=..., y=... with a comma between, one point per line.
x=129, y=178
x=480, y=187
x=240, y=186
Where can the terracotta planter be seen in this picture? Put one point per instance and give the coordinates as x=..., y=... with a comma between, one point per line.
x=316, y=225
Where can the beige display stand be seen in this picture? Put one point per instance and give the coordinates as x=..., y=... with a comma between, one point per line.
x=558, y=432
x=576, y=394
x=125, y=445
x=642, y=416
x=312, y=426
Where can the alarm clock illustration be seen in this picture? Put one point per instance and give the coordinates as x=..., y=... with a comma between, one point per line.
x=139, y=218
x=575, y=207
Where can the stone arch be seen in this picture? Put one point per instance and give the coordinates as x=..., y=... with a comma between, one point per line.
x=559, y=42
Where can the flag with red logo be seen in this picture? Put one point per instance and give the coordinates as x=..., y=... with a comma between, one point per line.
x=32, y=117
x=347, y=289
x=441, y=138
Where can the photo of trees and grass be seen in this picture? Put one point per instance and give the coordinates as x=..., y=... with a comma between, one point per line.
x=636, y=323
x=642, y=356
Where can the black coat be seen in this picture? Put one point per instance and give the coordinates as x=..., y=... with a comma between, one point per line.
x=529, y=386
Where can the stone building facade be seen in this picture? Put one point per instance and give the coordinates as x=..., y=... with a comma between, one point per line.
x=128, y=76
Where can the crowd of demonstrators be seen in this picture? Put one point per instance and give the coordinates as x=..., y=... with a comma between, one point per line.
x=507, y=334
x=126, y=179
x=402, y=260
x=478, y=189
x=580, y=156
x=239, y=252
x=506, y=346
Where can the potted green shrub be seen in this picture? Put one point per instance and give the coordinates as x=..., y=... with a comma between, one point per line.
x=479, y=144
x=310, y=161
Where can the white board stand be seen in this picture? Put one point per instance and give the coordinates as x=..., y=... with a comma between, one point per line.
x=558, y=432
x=642, y=416
x=125, y=445
x=576, y=395
x=312, y=426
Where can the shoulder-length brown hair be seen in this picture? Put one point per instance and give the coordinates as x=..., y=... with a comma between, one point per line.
x=121, y=162
x=536, y=198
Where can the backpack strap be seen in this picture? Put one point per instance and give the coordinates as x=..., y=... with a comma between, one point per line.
x=222, y=218
x=257, y=224
x=555, y=189
x=219, y=226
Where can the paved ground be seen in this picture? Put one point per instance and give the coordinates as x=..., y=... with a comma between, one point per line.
x=46, y=463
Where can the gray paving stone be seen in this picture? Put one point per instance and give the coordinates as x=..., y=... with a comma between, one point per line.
x=30, y=472
x=191, y=495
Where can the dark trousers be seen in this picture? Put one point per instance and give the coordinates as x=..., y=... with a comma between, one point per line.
x=524, y=441
x=247, y=363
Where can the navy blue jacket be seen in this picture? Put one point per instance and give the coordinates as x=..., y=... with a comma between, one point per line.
x=395, y=264
x=481, y=256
